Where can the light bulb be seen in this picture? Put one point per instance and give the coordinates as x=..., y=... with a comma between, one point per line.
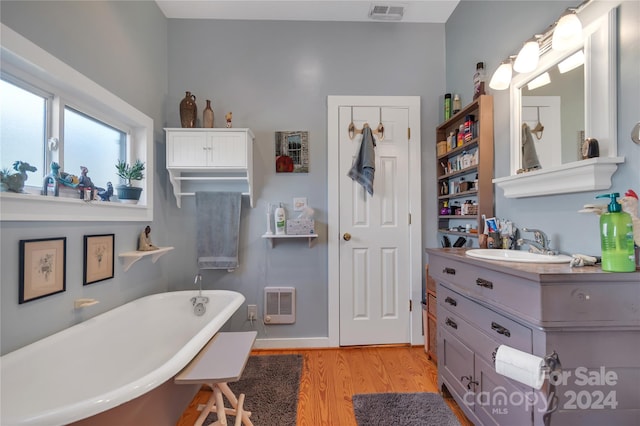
x=501, y=79
x=527, y=59
x=567, y=33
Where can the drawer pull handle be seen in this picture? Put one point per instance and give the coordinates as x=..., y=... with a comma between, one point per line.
x=471, y=381
x=451, y=323
x=450, y=271
x=451, y=301
x=500, y=329
x=484, y=283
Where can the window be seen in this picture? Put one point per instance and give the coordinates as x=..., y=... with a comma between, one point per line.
x=23, y=126
x=57, y=115
x=93, y=144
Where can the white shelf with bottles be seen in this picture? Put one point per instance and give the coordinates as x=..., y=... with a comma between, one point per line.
x=272, y=237
x=131, y=257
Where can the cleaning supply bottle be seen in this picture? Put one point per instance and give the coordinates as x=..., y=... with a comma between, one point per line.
x=616, y=237
x=280, y=220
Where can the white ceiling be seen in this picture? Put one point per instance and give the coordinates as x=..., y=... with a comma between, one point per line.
x=429, y=11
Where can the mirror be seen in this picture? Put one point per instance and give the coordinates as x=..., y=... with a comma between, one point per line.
x=577, y=104
x=554, y=113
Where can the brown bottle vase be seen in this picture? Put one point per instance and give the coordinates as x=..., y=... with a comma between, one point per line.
x=188, y=111
x=207, y=116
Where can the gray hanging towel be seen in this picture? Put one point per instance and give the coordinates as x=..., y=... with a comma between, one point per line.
x=529, y=156
x=363, y=168
x=218, y=227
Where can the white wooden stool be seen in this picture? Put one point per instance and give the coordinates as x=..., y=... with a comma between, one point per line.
x=222, y=360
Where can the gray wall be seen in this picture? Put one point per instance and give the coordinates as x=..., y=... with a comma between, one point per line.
x=490, y=31
x=273, y=76
x=123, y=47
x=277, y=76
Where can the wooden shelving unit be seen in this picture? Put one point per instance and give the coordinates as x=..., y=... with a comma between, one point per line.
x=479, y=174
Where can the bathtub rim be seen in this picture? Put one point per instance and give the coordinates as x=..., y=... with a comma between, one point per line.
x=96, y=404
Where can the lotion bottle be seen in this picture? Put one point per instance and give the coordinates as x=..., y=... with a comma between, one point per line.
x=280, y=220
x=616, y=237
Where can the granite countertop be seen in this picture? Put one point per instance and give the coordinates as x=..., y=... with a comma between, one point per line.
x=539, y=271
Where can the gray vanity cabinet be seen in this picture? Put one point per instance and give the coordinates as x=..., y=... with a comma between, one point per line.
x=590, y=318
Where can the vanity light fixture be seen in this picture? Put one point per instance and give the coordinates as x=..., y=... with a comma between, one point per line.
x=571, y=62
x=527, y=59
x=501, y=79
x=541, y=80
x=568, y=31
x=561, y=35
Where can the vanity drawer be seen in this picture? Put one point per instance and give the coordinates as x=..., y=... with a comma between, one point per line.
x=510, y=293
x=498, y=327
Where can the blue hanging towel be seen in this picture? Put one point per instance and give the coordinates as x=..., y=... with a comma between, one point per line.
x=363, y=168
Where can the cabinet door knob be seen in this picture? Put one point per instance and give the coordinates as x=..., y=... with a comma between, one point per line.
x=451, y=301
x=449, y=271
x=346, y=236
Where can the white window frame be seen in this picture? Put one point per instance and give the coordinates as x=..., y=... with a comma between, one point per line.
x=21, y=56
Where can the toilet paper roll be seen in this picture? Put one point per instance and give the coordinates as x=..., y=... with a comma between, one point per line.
x=520, y=366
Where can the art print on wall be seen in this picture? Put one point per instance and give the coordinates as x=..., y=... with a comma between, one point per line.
x=292, y=152
x=42, y=268
x=98, y=258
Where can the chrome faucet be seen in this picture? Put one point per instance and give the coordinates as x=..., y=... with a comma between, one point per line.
x=540, y=243
x=200, y=301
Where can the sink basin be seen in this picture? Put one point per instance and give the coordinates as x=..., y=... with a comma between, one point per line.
x=517, y=256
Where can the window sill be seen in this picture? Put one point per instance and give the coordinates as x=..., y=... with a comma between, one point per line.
x=31, y=207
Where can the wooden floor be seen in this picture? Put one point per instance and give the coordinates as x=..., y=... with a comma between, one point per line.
x=331, y=376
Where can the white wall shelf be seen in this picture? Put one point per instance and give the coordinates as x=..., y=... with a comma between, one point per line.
x=131, y=257
x=272, y=238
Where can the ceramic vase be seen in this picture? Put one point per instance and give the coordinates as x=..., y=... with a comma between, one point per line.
x=188, y=111
x=207, y=116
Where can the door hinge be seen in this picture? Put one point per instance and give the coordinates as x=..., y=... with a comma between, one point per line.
x=410, y=305
x=408, y=132
x=409, y=218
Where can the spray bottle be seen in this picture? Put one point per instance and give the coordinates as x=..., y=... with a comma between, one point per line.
x=616, y=237
x=280, y=220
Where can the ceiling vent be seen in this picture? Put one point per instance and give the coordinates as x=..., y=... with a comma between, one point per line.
x=382, y=12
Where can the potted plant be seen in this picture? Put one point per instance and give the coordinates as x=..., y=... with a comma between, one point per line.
x=128, y=193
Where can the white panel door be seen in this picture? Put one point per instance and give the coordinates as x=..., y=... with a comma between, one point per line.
x=374, y=247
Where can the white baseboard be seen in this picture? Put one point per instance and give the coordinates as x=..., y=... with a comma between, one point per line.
x=293, y=343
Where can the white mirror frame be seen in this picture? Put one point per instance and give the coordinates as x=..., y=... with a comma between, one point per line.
x=599, y=22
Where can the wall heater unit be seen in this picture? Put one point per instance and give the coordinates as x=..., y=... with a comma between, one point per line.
x=279, y=305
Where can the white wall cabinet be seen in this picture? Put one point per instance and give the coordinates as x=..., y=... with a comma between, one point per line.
x=214, y=155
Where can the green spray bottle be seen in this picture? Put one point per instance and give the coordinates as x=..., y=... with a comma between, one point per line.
x=616, y=237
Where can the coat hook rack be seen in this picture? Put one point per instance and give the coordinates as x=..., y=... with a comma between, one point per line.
x=378, y=131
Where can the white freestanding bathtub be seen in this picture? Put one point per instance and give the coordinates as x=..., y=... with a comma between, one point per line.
x=112, y=359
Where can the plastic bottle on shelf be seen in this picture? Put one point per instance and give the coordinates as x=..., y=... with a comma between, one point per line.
x=447, y=106
x=478, y=81
x=457, y=105
x=280, y=220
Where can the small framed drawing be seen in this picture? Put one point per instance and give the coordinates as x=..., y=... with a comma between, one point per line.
x=42, y=268
x=98, y=258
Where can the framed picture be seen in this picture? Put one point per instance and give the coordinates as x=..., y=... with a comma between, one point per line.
x=42, y=268
x=98, y=258
x=292, y=152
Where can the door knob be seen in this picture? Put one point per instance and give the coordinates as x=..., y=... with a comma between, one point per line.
x=346, y=236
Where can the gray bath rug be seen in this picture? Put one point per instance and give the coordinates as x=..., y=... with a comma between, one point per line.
x=270, y=384
x=402, y=409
